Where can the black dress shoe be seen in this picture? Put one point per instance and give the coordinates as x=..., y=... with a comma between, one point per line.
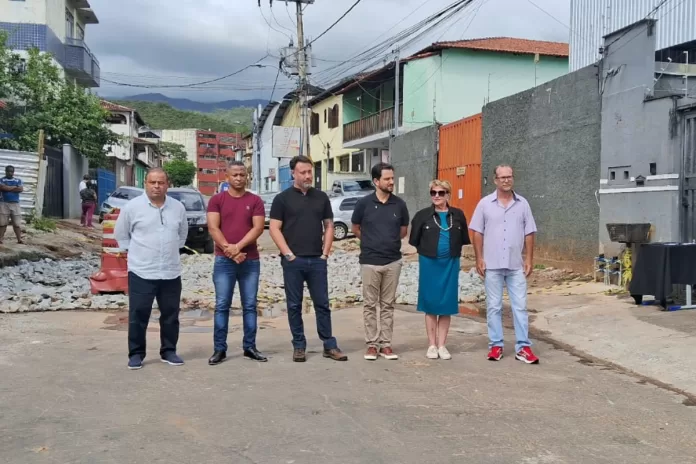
x=217, y=358
x=255, y=355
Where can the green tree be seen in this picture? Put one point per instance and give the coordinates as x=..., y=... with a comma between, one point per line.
x=173, y=151
x=180, y=172
x=39, y=98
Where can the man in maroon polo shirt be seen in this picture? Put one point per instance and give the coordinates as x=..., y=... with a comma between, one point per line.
x=235, y=221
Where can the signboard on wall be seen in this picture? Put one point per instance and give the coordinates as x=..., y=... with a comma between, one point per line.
x=286, y=141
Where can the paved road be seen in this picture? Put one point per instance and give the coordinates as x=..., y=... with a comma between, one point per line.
x=66, y=397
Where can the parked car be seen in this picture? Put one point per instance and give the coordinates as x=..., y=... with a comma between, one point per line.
x=118, y=199
x=351, y=186
x=343, y=207
x=194, y=202
x=267, y=203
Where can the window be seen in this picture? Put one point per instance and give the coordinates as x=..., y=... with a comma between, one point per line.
x=206, y=136
x=207, y=171
x=358, y=162
x=331, y=165
x=348, y=204
x=325, y=111
x=344, y=163
x=314, y=124
x=69, y=24
x=126, y=193
x=80, y=33
x=208, y=184
x=192, y=201
x=206, y=145
x=333, y=117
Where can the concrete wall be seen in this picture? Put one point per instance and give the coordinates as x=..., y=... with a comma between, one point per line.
x=75, y=166
x=635, y=133
x=454, y=85
x=550, y=135
x=414, y=157
x=29, y=11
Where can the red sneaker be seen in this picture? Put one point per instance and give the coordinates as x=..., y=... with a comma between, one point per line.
x=496, y=353
x=527, y=356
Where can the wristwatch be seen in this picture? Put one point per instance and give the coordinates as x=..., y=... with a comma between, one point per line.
x=289, y=256
x=324, y=256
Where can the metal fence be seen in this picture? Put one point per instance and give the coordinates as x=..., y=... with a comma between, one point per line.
x=26, y=166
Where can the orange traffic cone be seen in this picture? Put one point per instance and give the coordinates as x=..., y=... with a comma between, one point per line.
x=113, y=275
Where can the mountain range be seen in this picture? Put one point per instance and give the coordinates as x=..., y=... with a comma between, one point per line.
x=190, y=105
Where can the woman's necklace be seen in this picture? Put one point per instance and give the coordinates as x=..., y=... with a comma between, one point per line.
x=442, y=228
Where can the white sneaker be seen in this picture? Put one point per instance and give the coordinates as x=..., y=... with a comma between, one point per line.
x=444, y=354
x=432, y=353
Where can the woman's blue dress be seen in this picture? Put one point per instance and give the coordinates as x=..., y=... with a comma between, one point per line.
x=438, y=278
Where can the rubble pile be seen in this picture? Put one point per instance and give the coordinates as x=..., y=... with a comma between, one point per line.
x=51, y=285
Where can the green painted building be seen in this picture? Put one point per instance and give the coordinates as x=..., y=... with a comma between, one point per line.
x=454, y=80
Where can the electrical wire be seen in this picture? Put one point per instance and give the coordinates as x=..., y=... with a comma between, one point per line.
x=274, y=85
x=270, y=25
x=209, y=81
x=331, y=26
x=560, y=22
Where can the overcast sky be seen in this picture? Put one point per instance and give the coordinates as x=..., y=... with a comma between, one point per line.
x=173, y=42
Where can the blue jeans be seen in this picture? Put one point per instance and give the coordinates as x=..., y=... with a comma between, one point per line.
x=516, y=284
x=226, y=273
x=314, y=272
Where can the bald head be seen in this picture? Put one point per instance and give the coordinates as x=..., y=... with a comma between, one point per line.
x=156, y=185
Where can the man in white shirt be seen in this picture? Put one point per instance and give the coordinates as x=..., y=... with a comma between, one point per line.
x=153, y=228
x=83, y=182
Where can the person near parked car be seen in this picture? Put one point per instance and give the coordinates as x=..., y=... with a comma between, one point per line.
x=153, y=228
x=439, y=232
x=302, y=229
x=235, y=221
x=380, y=221
x=89, y=203
x=10, y=209
x=503, y=227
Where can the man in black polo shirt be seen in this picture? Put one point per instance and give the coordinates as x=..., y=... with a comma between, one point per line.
x=302, y=229
x=380, y=221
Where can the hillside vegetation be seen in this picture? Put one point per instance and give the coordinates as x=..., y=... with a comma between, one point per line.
x=163, y=116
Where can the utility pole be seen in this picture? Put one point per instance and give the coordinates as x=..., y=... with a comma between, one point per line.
x=397, y=97
x=303, y=91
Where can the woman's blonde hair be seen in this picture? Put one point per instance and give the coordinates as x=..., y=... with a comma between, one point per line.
x=442, y=184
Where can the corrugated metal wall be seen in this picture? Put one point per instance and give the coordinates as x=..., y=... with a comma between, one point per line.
x=27, y=169
x=459, y=162
x=590, y=20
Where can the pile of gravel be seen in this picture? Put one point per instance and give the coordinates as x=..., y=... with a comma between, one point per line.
x=50, y=285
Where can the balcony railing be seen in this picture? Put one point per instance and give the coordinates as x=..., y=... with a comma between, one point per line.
x=371, y=125
x=81, y=63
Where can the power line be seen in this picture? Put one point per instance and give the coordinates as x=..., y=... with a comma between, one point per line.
x=209, y=81
x=332, y=25
x=274, y=85
x=270, y=25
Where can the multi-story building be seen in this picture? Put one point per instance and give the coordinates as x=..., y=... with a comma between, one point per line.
x=214, y=151
x=138, y=149
x=56, y=27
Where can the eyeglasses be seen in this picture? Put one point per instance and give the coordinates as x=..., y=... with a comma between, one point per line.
x=505, y=179
x=438, y=193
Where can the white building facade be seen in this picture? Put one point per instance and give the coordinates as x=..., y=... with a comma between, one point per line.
x=57, y=27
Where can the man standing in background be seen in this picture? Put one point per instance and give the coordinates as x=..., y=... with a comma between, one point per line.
x=236, y=220
x=10, y=209
x=380, y=221
x=153, y=228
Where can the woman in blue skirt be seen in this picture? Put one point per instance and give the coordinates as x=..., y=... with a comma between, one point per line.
x=439, y=232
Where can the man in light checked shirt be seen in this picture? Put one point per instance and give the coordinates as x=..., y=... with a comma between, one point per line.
x=153, y=228
x=503, y=227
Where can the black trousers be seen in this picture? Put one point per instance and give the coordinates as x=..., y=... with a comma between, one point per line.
x=141, y=294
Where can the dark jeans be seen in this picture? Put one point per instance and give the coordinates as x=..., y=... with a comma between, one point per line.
x=226, y=273
x=141, y=294
x=314, y=272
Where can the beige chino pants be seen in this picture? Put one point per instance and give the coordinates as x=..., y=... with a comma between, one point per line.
x=379, y=291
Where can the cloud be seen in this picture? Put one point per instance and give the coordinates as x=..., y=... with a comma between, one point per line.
x=158, y=42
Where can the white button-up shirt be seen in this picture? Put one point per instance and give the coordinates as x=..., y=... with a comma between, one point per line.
x=153, y=237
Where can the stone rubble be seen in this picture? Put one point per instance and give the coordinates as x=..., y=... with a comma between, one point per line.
x=52, y=285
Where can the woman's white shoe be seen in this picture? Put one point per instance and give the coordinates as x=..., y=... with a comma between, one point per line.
x=432, y=353
x=444, y=354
